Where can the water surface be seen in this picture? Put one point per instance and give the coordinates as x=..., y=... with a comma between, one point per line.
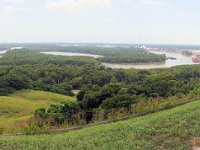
x=71, y=54
x=2, y=52
x=180, y=60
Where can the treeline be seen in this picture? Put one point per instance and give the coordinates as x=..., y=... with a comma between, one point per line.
x=104, y=51
x=103, y=91
x=33, y=56
x=116, y=54
x=51, y=77
x=126, y=91
x=38, y=70
x=28, y=69
x=133, y=57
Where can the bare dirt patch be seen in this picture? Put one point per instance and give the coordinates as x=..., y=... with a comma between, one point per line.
x=196, y=144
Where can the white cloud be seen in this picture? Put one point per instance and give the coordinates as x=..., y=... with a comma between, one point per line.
x=148, y=2
x=9, y=9
x=14, y=1
x=72, y=5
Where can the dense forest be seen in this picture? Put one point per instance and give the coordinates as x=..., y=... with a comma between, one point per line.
x=124, y=89
x=104, y=92
x=133, y=57
x=115, y=54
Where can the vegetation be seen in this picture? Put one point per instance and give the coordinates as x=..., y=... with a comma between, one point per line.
x=33, y=56
x=171, y=129
x=104, y=93
x=116, y=99
x=117, y=54
x=26, y=69
x=18, y=108
x=133, y=57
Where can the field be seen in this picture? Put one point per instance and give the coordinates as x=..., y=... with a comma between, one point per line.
x=20, y=106
x=170, y=129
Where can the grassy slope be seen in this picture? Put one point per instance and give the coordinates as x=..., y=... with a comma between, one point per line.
x=171, y=129
x=17, y=108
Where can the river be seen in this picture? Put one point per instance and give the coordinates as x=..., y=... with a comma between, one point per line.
x=2, y=53
x=180, y=60
x=71, y=54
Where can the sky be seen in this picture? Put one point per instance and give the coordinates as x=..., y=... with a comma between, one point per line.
x=100, y=21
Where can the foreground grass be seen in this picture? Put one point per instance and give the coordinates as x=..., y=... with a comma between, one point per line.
x=170, y=129
x=17, y=108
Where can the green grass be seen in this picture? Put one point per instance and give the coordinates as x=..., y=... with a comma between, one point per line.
x=20, y=106
x=166, y=130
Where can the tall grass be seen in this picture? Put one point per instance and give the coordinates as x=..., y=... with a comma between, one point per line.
x=170, y=129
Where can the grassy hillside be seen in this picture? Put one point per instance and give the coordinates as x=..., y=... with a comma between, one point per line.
x=171, y=129
x=18, y=107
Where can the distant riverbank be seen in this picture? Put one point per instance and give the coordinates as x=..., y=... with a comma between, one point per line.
x=179, y=59
x=71, y=54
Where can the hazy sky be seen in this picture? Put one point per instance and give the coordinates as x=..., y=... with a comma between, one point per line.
x=110, y=21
